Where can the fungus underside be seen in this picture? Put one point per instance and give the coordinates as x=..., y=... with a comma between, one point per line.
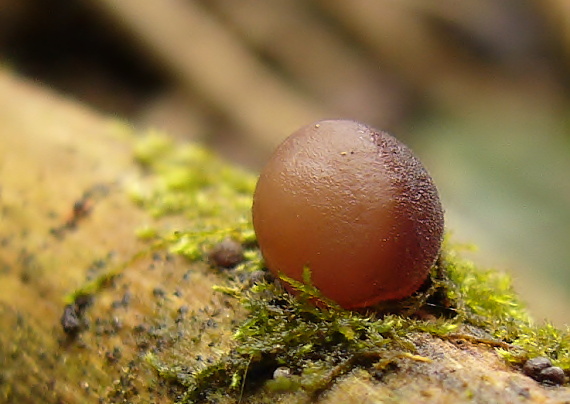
x=315, y=344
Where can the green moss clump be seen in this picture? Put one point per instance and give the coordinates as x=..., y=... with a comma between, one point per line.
x=190, y=181
x=316, y=344
x=486, y=299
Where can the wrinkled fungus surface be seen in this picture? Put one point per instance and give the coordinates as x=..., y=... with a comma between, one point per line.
x=355, y=206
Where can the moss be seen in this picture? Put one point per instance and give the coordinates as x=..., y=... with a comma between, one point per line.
x=191, y=182
x=315, y=343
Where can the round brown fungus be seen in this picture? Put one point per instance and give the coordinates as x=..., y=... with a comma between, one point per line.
x=355, y=206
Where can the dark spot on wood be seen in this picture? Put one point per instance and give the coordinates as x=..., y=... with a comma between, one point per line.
x=158, y=292
x=70, y=320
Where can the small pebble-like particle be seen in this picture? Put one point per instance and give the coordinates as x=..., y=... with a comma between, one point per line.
x=553, y=376
x=541, y=370
x=226, y=254
x=534, y=366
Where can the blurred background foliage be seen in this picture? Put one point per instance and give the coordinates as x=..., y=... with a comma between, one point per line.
x=480, y=89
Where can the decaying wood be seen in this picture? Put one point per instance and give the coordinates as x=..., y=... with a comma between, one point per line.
x=57, y=157
x=65, y=216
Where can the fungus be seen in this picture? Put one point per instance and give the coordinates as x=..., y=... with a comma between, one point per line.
x=355, y=206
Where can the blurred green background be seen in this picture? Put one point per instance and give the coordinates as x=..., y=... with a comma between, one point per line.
x=479, y=89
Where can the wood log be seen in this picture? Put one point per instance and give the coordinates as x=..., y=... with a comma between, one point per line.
x=92, y=313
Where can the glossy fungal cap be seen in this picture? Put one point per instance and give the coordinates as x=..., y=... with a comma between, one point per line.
x=354, y=205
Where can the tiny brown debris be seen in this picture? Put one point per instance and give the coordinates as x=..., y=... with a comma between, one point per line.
x=72, y=320
x=226, y=254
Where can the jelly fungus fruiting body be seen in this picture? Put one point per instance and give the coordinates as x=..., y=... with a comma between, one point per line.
x=355, y=206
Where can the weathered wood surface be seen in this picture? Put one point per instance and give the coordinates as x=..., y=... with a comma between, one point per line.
x=54, y=153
